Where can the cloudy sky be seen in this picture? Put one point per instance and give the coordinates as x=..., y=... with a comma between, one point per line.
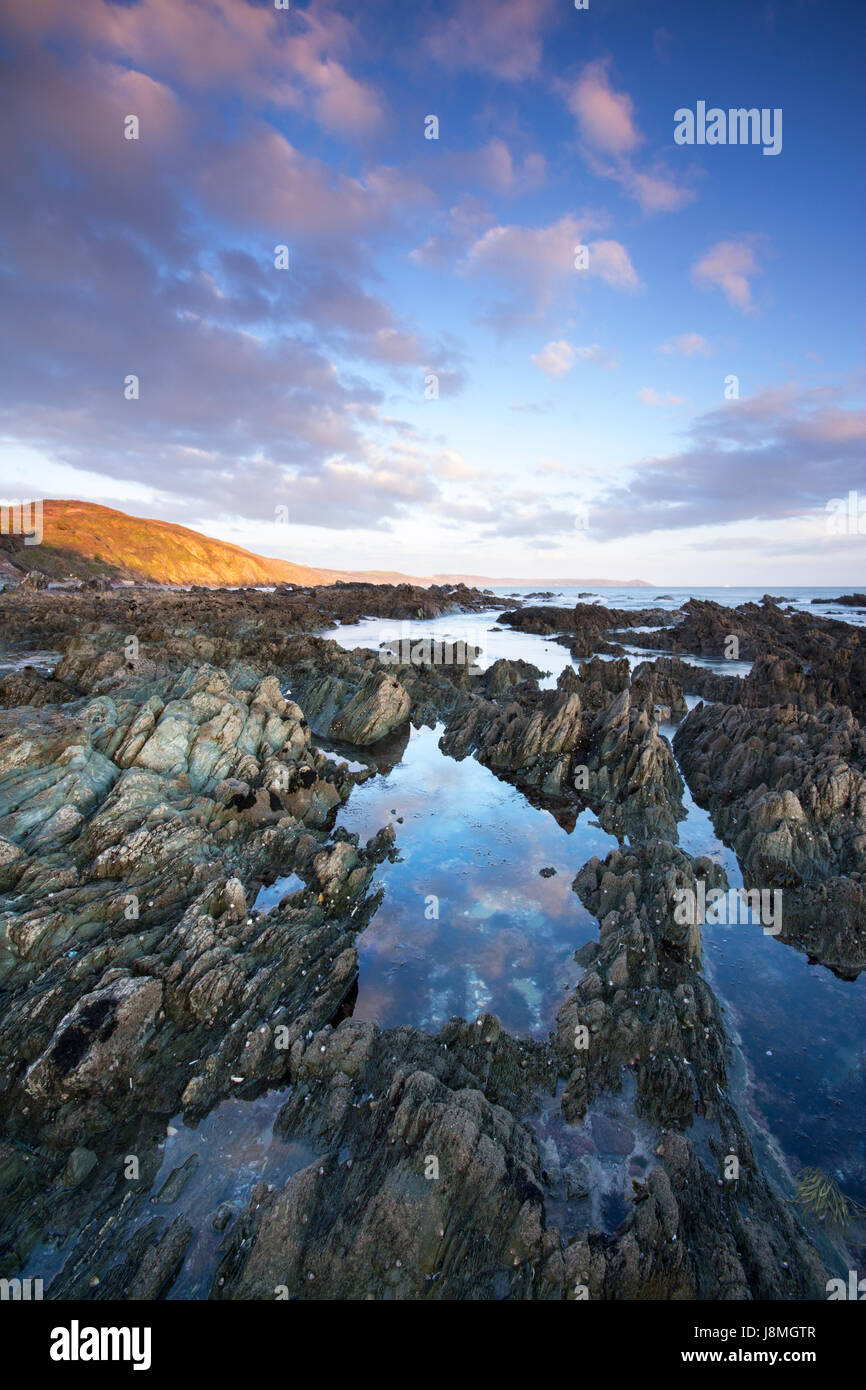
x=433, y=383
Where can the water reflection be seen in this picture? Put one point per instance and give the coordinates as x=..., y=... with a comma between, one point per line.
x=802, y=1031
x=468, y=922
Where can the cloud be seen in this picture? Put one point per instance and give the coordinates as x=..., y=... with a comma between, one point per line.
x=728, y=266
x=501, y=37
x=156, y=258
x=688, y=345
x=537, y=264
x=493, y=166
x=654, y=192
x=605, y=118
x=468, y=219
x=651, y=397
x=781, y=454
x=595, y=353
x=207, y=45
x=451, y=465
x=663, y=42
x=534, y=256
x=610, y=136
x=261, y=178
x=772, y=458
x=555, y=359
x=610, y=261
x=343, y=495
x=548, y=466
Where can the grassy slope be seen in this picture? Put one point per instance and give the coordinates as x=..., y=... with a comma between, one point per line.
x=82, y=539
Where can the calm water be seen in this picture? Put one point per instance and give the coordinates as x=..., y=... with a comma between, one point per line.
x=800, y=598
x=801, y=1029
x=483, y=632
x=235, y=1147
x=504, y=935
x=468, y=923
x=271, y=894
x=43, y=661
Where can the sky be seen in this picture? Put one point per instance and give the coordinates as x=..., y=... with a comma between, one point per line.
x=363, y=337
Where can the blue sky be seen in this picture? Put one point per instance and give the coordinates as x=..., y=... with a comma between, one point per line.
x=583, y=425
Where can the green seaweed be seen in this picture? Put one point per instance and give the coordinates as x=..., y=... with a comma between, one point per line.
x=823, y=1200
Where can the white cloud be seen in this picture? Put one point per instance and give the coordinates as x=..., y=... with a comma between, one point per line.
x=651, y=397
x=555, y=359
x=610, y=261
x=688, y=345
x=559, y=357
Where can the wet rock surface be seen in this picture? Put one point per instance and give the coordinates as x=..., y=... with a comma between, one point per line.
x=799, y=658
x=584, y=629
x=788, y=790
x=593, y=740
x=643, y=1009
x=168, y=768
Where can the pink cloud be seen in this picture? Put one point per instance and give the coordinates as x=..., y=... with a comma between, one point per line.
x=728, y=266
x=533, y=254
x=503, y=37
x=468, y=220
x=651, y=397
x=834, y=425
x=555, y=359
x=263, y=178
x=604, y=117
x=688, y=345
x=491, y=166
x=208, y=44
x=558, y=357
x=610, y=137
x=497, y=167
x=537, y=264
x=656, y=192
x=610, y=261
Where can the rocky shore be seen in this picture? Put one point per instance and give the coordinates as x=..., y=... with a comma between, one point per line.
x=172, y=762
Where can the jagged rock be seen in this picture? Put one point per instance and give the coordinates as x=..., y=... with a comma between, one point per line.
x=593, y=740
x=788, y=790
